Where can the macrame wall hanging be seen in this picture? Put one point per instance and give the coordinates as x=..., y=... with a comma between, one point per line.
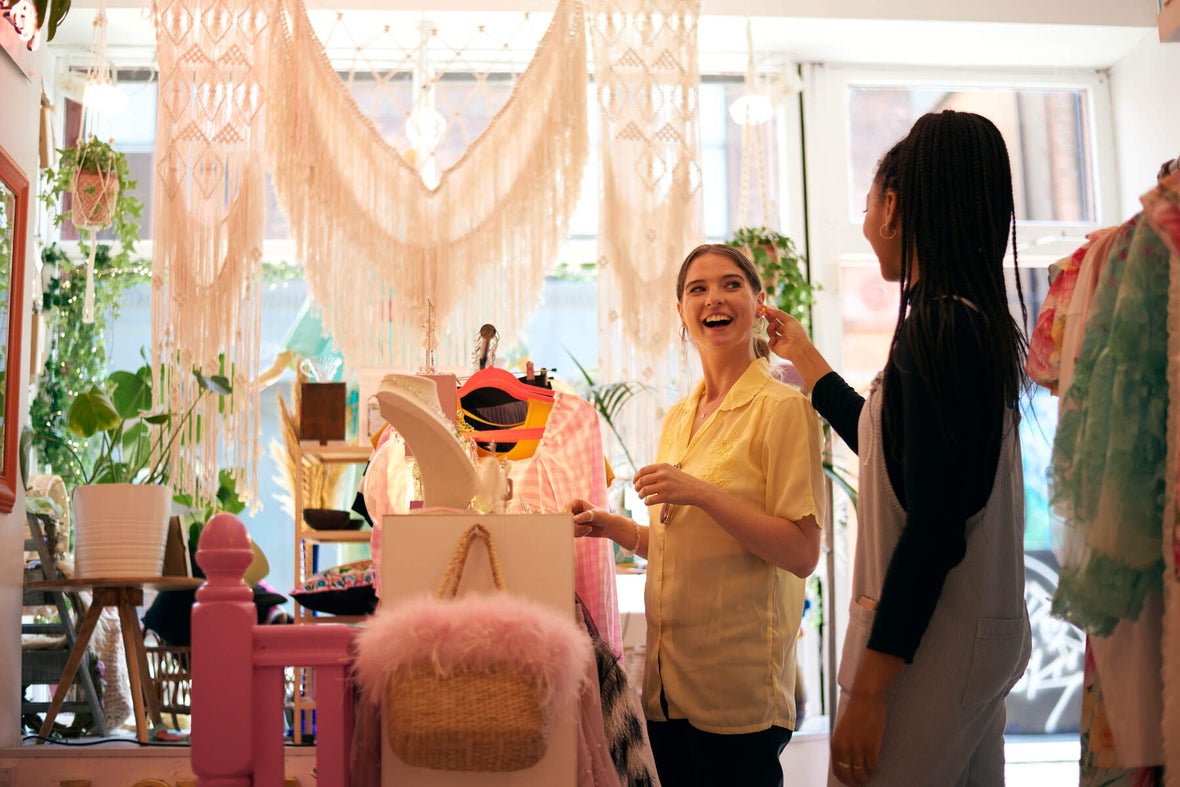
x=384, y=228
x=646, y=73
x=388, y=231
x=208, y=226
x=392, y=238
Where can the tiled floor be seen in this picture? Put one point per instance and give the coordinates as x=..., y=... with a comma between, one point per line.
x=1032, y=761
x=1041, y=761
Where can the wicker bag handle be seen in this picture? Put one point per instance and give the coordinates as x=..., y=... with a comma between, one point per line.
x=450, y=584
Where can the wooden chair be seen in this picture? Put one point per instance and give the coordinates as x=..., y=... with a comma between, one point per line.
x=44, y=666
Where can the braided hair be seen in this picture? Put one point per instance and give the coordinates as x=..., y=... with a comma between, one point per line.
x=953, y=183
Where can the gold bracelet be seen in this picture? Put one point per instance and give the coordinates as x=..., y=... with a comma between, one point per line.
x=638, y=538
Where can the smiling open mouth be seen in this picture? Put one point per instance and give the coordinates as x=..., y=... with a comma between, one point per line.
x=717, y=321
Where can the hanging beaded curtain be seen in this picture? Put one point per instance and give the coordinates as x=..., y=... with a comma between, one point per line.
x=207, y=227
x=387, y=219
x=645, y=60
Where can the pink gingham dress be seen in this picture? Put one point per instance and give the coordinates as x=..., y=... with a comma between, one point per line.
x=568, y=463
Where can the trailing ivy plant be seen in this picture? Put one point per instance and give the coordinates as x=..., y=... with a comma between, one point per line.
x=95, y=155
x=76, y=351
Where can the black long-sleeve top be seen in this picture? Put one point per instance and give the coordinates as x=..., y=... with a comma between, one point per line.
x=941, y=470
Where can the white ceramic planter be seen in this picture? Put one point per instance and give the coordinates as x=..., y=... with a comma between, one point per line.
x=120, y=530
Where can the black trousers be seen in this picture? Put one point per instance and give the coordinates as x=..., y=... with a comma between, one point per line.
x=688, y=757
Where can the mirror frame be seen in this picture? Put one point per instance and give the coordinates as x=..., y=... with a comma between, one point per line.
x=12, y=176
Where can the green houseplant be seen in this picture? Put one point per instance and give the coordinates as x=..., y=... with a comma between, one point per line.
x=783, y=270
x=121, y=508
x=51, y=15
x=133, y=443
x=76, y=350
x=609, y=399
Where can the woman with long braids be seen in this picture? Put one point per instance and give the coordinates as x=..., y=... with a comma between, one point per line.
x=938, y=631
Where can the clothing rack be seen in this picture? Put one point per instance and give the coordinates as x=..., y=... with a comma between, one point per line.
x=1150, y=637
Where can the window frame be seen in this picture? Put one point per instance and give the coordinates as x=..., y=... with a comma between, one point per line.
x=835, y=240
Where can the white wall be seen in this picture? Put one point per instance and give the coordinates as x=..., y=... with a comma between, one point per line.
x=1069, y=12
x=21, y=99
x=1146, y=117
x=1066, y=12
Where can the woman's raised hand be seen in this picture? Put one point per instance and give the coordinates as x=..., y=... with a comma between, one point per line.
x=787, y=335
x=788, y=339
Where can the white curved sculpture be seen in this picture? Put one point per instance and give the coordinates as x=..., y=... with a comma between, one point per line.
x=449, y=477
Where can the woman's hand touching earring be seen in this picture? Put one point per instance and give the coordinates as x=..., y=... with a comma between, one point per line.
x=787, y=335
x=788, y=339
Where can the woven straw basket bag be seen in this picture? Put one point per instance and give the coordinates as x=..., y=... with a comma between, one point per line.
x=470, y=683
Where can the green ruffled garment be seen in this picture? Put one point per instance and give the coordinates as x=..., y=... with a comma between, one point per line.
x=1110, y=448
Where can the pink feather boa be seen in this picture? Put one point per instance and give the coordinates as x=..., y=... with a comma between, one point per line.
x=472, y=633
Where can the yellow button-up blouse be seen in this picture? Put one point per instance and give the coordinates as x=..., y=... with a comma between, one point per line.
x=721, y=622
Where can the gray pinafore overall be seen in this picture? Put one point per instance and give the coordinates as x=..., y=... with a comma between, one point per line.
x=945, y=711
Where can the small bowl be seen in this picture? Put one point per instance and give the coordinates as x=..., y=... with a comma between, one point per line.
x=330, y=519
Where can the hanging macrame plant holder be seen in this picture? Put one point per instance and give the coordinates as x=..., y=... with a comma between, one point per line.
x=95, y=191
x=94, y=196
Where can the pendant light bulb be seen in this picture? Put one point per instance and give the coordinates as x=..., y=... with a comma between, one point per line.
x=754, y=107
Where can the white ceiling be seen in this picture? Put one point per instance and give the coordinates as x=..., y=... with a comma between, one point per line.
x=777, y=39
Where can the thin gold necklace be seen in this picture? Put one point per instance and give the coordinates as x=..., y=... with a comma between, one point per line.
x=702, y=412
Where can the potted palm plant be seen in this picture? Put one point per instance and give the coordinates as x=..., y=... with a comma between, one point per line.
x=121, y=447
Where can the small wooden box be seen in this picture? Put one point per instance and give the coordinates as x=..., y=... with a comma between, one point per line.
x=323, y=409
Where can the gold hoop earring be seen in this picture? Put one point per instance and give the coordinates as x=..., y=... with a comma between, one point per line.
x=892, y=232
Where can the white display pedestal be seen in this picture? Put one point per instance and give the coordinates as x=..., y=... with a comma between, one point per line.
x=537, y=557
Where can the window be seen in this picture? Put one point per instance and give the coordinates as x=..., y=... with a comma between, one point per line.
x=1045, y=129
x=1054, y=126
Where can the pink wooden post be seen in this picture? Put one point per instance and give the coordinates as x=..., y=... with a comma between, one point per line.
x=223, y=635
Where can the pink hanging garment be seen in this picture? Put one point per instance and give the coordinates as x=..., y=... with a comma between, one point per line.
x=386, y=486
x=1044, y=347
x=568, y=464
